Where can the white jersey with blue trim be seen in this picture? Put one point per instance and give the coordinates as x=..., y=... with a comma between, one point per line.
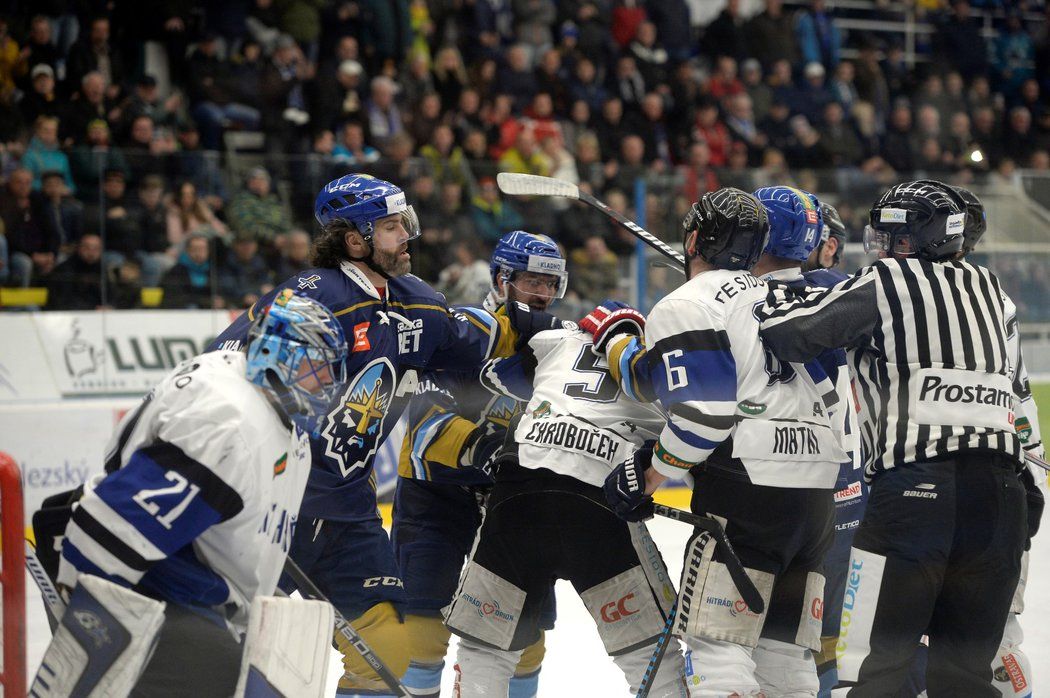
x=201, y=493
x=709, y=369
x=577, y=422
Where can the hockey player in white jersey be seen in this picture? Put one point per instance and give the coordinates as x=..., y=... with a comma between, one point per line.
x=201, y=491
x=756, y=436
x=546, y=519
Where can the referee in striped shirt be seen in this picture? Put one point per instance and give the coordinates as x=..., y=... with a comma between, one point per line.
x=939, y=549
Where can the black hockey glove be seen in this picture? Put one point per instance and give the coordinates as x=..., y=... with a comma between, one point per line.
x=610, y=319
x=483, y=453
x=527, y=322
x=625, y=486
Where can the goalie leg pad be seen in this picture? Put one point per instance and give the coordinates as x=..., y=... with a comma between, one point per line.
x=624, y=609
x=286, y=648
x=487, y=607
x=382, y=630
x=709, y=604
x=103, y=642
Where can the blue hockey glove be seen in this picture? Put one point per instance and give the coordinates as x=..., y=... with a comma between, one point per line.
x=625, y=486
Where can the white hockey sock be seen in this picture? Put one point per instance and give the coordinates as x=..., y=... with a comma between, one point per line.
x=669, y=681
x=784, y=669
x=483, y=671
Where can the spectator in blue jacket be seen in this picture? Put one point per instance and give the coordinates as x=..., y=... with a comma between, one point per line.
x=818, y=37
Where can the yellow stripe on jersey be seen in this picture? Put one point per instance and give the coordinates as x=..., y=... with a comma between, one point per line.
x=356, y=306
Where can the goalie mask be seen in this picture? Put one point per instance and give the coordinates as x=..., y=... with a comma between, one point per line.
x=732, y=229
x=297, y=352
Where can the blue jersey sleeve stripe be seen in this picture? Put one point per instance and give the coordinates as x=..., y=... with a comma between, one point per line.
x=220, y=496
x=694, y=440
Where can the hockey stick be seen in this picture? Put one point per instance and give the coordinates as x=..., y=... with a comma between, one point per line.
x=1036, y=460
x=310, y=591
x=743, y=583
x=52, y=601
x=518, y=184
x=658, y=652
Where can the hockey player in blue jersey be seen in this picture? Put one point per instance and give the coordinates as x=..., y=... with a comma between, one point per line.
x=455, y=427
x=395, y=325
x=196, y=508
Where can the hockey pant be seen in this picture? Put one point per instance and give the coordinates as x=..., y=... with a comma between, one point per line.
x=938, y=552
x=781, y=536
x=543, y=526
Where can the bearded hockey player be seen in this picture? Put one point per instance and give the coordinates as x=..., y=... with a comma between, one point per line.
x=456, y=426
x=395, y=325
x=196, y=509
x=757, y=438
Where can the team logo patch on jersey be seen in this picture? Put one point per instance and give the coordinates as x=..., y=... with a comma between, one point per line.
x=500, y=410
x=351, y=432
x=280, y=465
x=309, y=282
x=1024, y=429
x=544, y=409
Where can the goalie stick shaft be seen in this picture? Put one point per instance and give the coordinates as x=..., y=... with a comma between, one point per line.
x=741, y=580
x=1037, y=461
x=309, y=590
x=664, y=639
x=54, y=603
x=518, y=184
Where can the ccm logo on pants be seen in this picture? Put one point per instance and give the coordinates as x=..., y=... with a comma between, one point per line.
x=617, y=610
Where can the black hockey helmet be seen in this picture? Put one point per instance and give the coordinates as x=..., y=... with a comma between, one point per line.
x=924, y=218
x=976, y=220
x=732, y=229
x=833, y=228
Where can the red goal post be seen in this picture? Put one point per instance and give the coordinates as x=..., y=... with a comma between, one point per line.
x=12, y=578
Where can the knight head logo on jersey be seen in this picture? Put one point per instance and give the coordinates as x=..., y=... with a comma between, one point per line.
x=352, y=430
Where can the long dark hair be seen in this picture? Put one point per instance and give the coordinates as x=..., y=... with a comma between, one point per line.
x=329, y=249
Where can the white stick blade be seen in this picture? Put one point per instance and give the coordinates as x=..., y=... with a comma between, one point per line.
x=519, y=184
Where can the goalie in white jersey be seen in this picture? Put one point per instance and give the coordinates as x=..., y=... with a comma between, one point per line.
x=546, y=518
x=200, y=495
x=756, y=437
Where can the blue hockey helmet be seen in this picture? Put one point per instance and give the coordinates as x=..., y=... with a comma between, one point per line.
x=361, y=200
x=795, y=223
x=925, y=219
x=732, y=229
x=297, y=351
x=520, y=251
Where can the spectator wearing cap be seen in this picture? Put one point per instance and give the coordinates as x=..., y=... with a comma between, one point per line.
x=244, y=275
x=93, y=52
x=210, y=91
x=384, y=117
x=492, y=217
x=40, y=99
x=44, y=153
x=819, y=40
x=32, y=239
x=38, y=49
x=813, y=94
x=63, y=209
x=189, y=284
x=113, y=221
x=76, y=284
x=94, y=156
x=725, y=35
x=771, y=35
x=958, y=41
x=257, y=210
x=340, y=100
x=87, y=105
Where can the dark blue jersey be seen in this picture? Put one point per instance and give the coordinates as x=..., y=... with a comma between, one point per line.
x=390, y=337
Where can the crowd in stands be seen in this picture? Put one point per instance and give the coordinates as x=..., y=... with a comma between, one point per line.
x=115, y=164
